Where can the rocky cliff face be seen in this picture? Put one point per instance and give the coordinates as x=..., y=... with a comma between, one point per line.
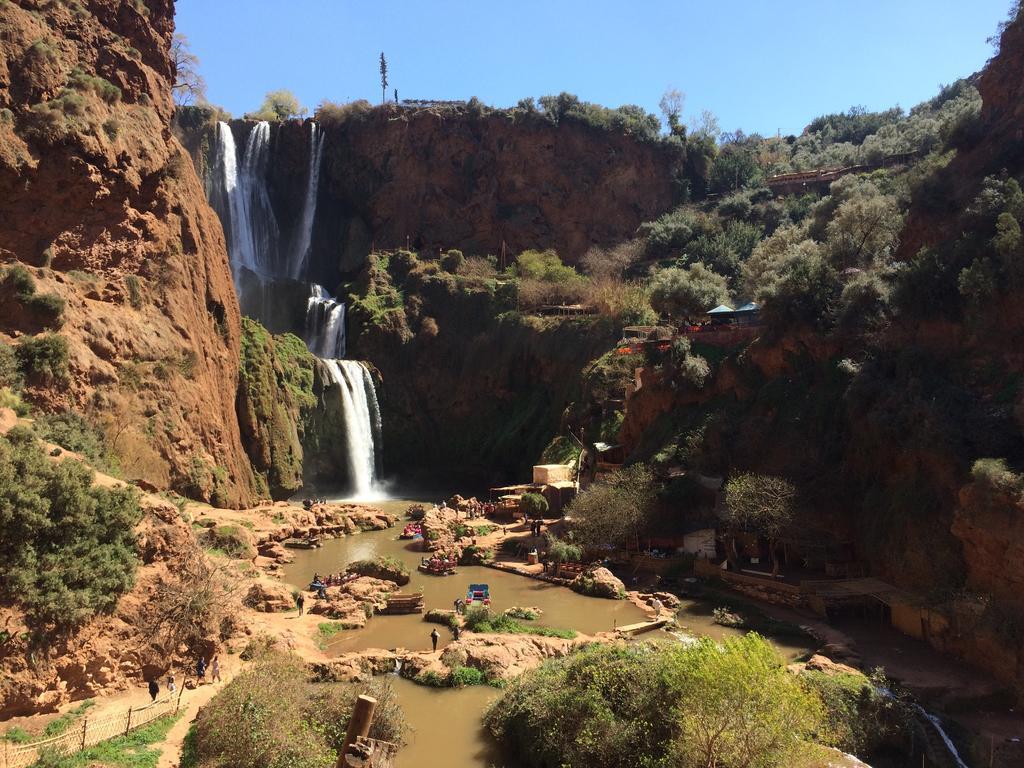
x=431, y=178
x=102, y=202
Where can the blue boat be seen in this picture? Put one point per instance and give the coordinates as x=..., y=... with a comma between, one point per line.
x=478, y=594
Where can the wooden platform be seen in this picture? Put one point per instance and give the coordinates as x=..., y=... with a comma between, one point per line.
x=641, y=627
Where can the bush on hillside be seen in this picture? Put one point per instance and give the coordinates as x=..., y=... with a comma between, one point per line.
x=67, y=549
x=453, y=261
x=233, y=540
x=658, y=705
x=43, y=359
x=271, y=715
x=689, y=292
x=71, y=431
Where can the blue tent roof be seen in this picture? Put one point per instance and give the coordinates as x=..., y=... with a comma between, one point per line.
x=721, y=309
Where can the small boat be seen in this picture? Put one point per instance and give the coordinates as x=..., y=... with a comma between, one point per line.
x=478, y=594
x=437, y=567
x=311, y=542
x=412, y=531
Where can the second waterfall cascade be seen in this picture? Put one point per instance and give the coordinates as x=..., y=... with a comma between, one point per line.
x=241, y=197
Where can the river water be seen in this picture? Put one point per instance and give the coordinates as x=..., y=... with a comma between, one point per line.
x=446, y=724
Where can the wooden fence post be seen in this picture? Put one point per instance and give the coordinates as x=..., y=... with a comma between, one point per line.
x=128, y=725
x=85, y=728
x=358, y=725
x=177, y=702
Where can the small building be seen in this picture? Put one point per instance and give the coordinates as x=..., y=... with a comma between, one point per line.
x=551, y=473
x=723, y=314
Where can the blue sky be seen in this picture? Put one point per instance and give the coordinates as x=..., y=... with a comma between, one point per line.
x=758, y=65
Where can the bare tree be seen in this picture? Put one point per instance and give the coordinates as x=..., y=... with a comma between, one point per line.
x=189, y=86
x=383, y=78
x=672, y=108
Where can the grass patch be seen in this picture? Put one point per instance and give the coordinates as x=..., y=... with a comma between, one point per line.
x=65, y=721
x=480, y=620
x=463, y=676
x=133, y=750
x=326, y=630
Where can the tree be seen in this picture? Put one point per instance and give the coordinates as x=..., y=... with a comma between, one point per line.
x=383, y=77
x=279, y=105
x=706, y=126
x=533, y=505
x=687, y=292
x=67, y=549
x=561, y=551
x=760, y=504
x=864, y=231
x=671, y=105
x=189, y=86
x=613, y=513
x=737, y=706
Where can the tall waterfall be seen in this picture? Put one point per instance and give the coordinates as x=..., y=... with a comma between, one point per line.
x=325, y=324
x=253, y=226
x=300, y=257
x=266, y=272
x=362, y=421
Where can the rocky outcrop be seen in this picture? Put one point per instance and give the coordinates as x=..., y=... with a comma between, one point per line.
x=990, y=526
x=102, y=202
x=355, y=601
x=269, y=597
x=386, y=568
x=599, y=582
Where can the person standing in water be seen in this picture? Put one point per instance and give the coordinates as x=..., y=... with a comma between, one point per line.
x=434, y=637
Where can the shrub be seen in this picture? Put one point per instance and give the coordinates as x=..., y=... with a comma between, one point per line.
x=994, y=477
x=533, y=505
x=134, y=291
x=270, y=716
x=232, y=540
x=10, y=370
x=646, y=704
x=43, y=359
x=463, y=676
x=71, y=431
x=329, y=114
x=453, y=261
x=67, y=549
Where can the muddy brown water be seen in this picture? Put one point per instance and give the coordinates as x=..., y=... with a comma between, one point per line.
x=446, y=724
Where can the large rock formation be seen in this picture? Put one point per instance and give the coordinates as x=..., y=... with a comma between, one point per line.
x=447, y=178
x=99, y=198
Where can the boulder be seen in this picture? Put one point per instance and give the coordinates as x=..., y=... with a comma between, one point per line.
x=599, y=582
x=268, y=597
x=384, y=568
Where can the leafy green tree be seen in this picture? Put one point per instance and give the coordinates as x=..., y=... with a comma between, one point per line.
x=688, y=292
x=533, y=505
x=761, y=504
x=279, y=105
x=691, y=706
x=864, y=230
x=737, y=706
x=562, y=551
x=735, y=168
x=805, y=293
x=67, y=549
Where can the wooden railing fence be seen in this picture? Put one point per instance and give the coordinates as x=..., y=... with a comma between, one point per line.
x=92, y=730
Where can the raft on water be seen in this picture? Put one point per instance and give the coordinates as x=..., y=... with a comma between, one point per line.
x=311, y=543
x=436, y=567
x=399, y=603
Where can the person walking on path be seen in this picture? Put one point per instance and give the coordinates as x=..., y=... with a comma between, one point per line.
x=434, y=637
x=457, y=632
x=154, y=689
x=201, y=671
x=215, y=671
x=300, y=600
x=171, y=686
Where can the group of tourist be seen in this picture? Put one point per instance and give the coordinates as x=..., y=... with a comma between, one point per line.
x=201, y=666
x=536, y=527
x=308, y=503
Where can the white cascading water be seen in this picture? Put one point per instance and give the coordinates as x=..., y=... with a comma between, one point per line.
x=354, y=382
x=253, y=247
x=325, y=323
x=300, y=259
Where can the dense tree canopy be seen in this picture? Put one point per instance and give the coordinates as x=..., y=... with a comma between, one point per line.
x=687, y=292
x=67, y=549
